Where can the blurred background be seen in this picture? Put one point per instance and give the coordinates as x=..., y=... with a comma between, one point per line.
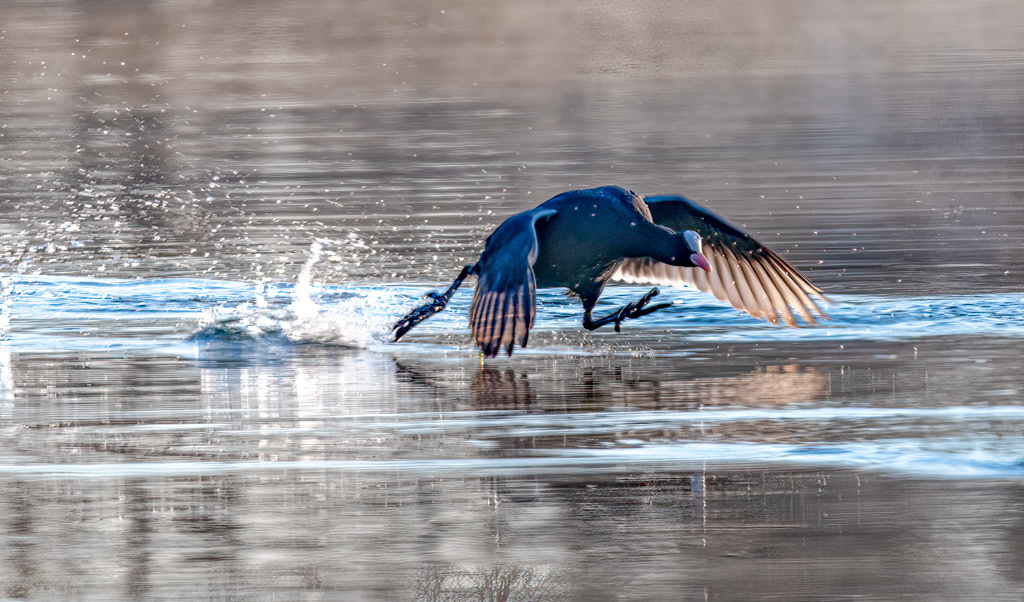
x=222, y=138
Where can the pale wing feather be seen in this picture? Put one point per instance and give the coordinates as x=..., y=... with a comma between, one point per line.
x=745, y=274
x=760, y=297
x=740, y=282
x=776, y=300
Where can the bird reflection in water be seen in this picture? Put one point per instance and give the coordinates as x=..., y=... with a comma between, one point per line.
x=598, y=387
x=767, y=385
x=501, y=389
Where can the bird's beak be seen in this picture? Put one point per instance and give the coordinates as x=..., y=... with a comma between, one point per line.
x=700, y=261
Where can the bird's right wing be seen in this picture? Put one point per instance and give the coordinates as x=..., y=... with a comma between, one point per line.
x=504, y=305
x=746, y=274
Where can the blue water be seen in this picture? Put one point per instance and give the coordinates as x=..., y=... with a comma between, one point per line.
x=946, y=430
x=57, y=313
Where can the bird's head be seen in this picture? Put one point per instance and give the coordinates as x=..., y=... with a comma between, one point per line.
x=691, y=254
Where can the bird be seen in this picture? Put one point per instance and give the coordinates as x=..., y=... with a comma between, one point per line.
x=581, y=239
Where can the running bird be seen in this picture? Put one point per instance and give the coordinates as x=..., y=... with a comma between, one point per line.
x=582, y=238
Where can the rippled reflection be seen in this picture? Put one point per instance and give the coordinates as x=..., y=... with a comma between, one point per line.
x=662, y=533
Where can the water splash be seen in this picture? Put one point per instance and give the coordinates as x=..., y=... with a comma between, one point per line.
x=307, y=312
x=355, y=320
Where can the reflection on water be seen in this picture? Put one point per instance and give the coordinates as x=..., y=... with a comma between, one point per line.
x=209, y=218
x=654, y=535
x=491, y=583
x=138, y=463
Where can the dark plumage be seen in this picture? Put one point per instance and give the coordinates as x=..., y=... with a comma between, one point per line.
x=581, y=239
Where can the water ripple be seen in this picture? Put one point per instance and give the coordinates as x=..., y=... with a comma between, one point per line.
x=57, y=312
x=908, y=457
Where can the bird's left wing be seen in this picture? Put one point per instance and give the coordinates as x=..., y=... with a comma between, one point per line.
x=746, y=274
x=504, y=305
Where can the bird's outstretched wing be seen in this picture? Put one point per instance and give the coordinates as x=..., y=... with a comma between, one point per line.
x=505, y=302
x=746, y=274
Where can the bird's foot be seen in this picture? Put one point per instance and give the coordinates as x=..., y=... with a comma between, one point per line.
x=638, y=308
x=438, y=301
x=418, y=315
x=631, y=310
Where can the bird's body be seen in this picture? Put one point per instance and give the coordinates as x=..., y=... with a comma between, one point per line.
x=582, y=236
x=581, y=239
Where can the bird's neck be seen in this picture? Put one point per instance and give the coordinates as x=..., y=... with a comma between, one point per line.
x=660, y=244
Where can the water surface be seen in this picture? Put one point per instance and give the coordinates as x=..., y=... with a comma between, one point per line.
x=210, y=216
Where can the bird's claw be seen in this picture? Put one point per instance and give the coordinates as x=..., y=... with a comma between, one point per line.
x=416, y=316
x=636, y=309
x=438, y=301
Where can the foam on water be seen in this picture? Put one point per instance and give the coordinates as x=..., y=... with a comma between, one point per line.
x=348, y=318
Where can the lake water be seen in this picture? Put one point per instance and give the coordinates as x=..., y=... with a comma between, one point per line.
x=211, y=214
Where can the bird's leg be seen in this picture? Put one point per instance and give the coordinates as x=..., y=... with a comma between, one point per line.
x=634, y=309
x=437, y=303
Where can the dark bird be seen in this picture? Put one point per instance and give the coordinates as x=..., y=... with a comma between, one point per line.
x=582, y=238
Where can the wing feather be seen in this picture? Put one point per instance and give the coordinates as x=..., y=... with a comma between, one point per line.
x=505, y=302
x=746, y=274
x=716, y=276
x=760, y=297
x=801, y=287
x=740, y=282
x=776, y=300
